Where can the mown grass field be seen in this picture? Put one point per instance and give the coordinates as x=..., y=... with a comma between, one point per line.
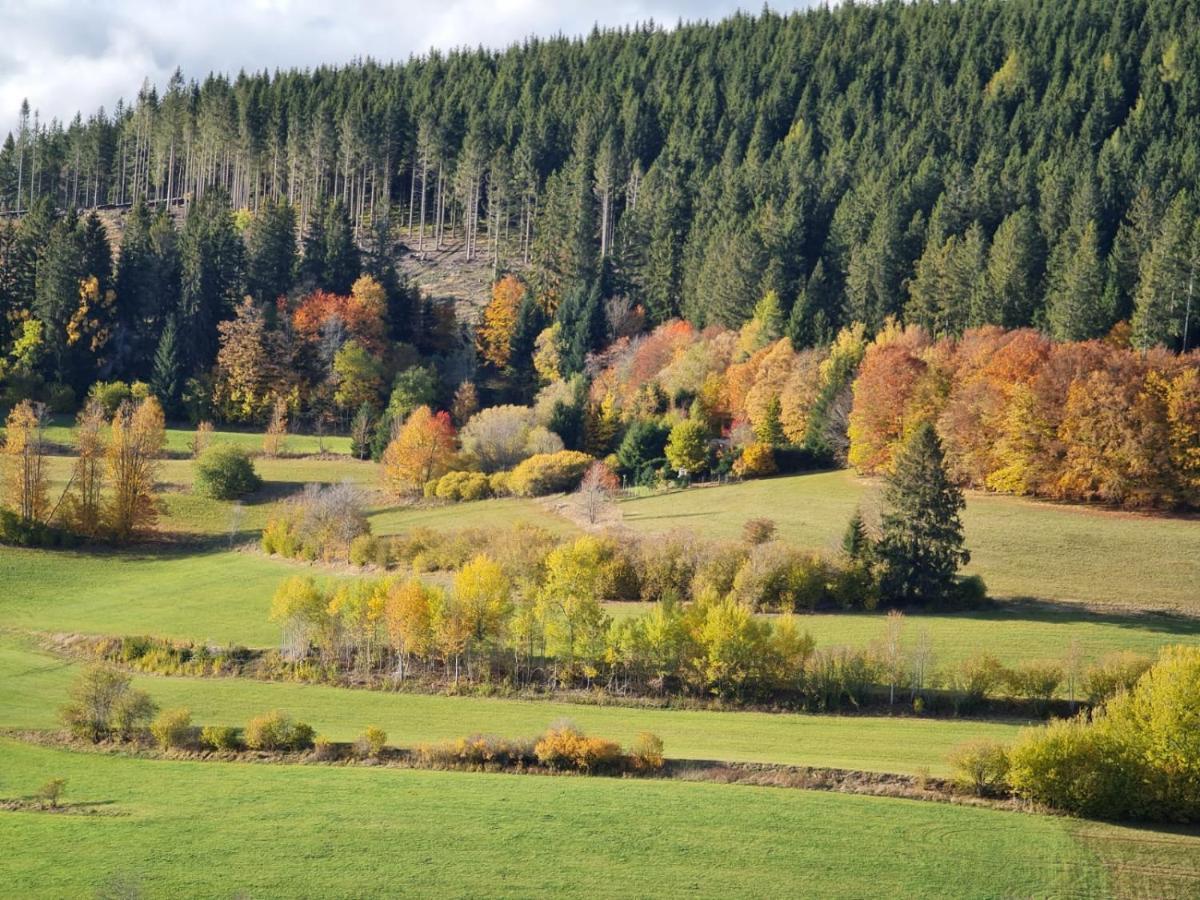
x=195, y=829
x=1022, y=548
x=221, y=829
x=37, y=683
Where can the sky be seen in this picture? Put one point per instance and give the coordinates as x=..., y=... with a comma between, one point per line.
x=77, y=55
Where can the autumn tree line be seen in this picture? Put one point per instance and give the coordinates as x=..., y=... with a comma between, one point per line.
x=1043, y=174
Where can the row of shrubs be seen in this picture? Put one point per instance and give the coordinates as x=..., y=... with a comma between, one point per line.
x=537, y=476
x=562, y=747
x=1134, y=756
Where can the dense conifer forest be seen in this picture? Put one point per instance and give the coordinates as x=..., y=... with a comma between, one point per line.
x=1026, y=162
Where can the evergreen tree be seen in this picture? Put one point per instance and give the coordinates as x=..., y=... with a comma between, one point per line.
x=1166, y=306
x=1075, y=305
x=770, y=429
x=341, y=265
x=581, y=317
x=165, y=380
x=211, y=257
x=921, y=543
x=271, y=251
x=856, y=542
x=60, y=274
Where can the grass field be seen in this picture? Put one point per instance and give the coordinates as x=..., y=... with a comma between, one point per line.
x=37, y=683
x=219, y=830
x=1022, y=548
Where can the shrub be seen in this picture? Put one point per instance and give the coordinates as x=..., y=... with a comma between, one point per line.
x=646, y=752
x=366, y=549
x=321, y=523
x=969, y=591
x=980, y=766
x=463, y=486
x=973, y=680
x=324, y=749
x=225, y=472
x=776, y=576
x=498, y=484
x=51, y=792
x=371, y=742
x=666, y=565
x=566, y=747
x=549, y=473
x=104, y=704
x=221, y=737
x=758, y=531
x=61, y=398
x=172, y=728
x=110, y=394
x=1071, y=766
x=1113, y=674
x=275, y=730
x=1035, y=681
x=756, y=461
x=477, y=751
x=1139, y=756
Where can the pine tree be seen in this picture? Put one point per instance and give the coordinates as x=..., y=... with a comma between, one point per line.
x=211, y=255
x=921, y=544
x=1075, y=308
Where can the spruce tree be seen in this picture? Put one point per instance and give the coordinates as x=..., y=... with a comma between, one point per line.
x=165, y=380
x=1075, y=306
x=921, y=544
x=271, y=252
x=856, y=543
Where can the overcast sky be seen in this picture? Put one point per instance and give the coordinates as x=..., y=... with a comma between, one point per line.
x=69, y=55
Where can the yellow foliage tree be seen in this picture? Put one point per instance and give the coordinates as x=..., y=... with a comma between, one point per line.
x=485, y=593
x=25, y=461
x=422, y=450
x=494, y=336
x=84, y=507
x=138, y=437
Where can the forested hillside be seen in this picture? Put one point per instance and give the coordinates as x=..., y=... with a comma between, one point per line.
x=954, y=164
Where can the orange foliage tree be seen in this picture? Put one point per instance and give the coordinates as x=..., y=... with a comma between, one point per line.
x=422, y=450
x=494, y=336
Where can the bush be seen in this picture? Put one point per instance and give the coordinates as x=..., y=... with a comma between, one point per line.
x=1139, y=756
x=366, y=549
x=646, y=752
x=324, y=749
x=1071, y=766
x=980, y=766
x=321, y=523
x=1113, y=674
x=275, y=730
x=221, y=737
x=463, y=486
x=19, y=532
x=225, y=472
x=172, y=729
x=969, y=591
x=758, y=531
x=566, y=747
x=370, y=743
x=61, y=398
x=110, y=394
x=104, y=704
x=973, y=680
x=549, y=473
x=477, y=751
x=1037, y=681
x=756, y=461
x=51, y=792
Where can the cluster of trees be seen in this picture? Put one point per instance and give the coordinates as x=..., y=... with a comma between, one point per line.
x=221, y=317
x=1136, y=755
x=111, y=491
x=1041, y=174
x=1017, y=412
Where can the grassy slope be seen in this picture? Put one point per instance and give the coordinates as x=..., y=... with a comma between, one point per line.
x=36, y=685
x=1022, y=548
x=197, y=829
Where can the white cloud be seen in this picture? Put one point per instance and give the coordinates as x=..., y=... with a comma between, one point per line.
x=77, y=56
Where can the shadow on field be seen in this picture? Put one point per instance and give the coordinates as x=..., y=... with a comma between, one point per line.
x=1056, y=612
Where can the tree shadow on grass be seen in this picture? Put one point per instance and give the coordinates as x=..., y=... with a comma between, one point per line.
x=1063, y=612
